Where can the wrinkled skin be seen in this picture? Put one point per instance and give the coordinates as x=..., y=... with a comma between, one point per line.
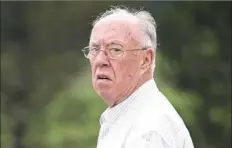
x=125, y=74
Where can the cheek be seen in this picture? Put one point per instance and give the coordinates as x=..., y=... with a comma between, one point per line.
x=124, y=71
x=118, y=71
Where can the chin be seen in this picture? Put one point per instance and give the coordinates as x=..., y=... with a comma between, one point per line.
x=102, y=86
x=106, y=96
x=103, y=93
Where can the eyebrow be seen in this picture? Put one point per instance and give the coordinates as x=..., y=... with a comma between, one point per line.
x=94, y=45
x=116, y=42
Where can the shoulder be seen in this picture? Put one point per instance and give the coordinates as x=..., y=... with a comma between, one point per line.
x=159, y=114
x=160, y=121
x=162, y=131
x=155, y=107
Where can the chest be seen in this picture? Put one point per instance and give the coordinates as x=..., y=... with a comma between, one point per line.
x=114, y=135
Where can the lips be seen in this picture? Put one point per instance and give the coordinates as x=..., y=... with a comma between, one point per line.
x=103, y=77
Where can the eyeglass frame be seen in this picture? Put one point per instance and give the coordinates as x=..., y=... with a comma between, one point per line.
x=123, y=51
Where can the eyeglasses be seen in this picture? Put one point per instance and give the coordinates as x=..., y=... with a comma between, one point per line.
x=112, y=53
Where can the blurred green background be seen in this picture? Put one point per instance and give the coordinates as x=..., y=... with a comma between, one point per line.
x=47, y=100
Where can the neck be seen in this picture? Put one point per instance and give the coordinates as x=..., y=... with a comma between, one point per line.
x=145, y=77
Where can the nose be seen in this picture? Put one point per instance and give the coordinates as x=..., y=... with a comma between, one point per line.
x=101, y=59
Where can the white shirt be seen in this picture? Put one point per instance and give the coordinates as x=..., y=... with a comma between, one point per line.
x=146, y=119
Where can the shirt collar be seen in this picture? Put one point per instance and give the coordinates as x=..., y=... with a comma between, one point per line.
x=110, y=115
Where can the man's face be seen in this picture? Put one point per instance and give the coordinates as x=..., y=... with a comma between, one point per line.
x=115, y=79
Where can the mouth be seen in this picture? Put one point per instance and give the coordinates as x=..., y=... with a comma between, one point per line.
x=103, y=77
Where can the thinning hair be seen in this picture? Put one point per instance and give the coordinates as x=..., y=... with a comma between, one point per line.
x=145, y=20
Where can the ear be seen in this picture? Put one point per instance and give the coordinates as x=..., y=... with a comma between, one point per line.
x=148, y=59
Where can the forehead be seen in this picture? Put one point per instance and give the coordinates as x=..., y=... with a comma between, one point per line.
x=115, y=30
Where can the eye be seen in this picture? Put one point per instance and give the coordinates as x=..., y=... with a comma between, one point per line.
x=115, y=50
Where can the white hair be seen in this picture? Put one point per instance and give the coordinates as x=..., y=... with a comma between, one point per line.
x=144, y=18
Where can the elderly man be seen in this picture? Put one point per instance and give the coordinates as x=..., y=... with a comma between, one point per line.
x=121, y=52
